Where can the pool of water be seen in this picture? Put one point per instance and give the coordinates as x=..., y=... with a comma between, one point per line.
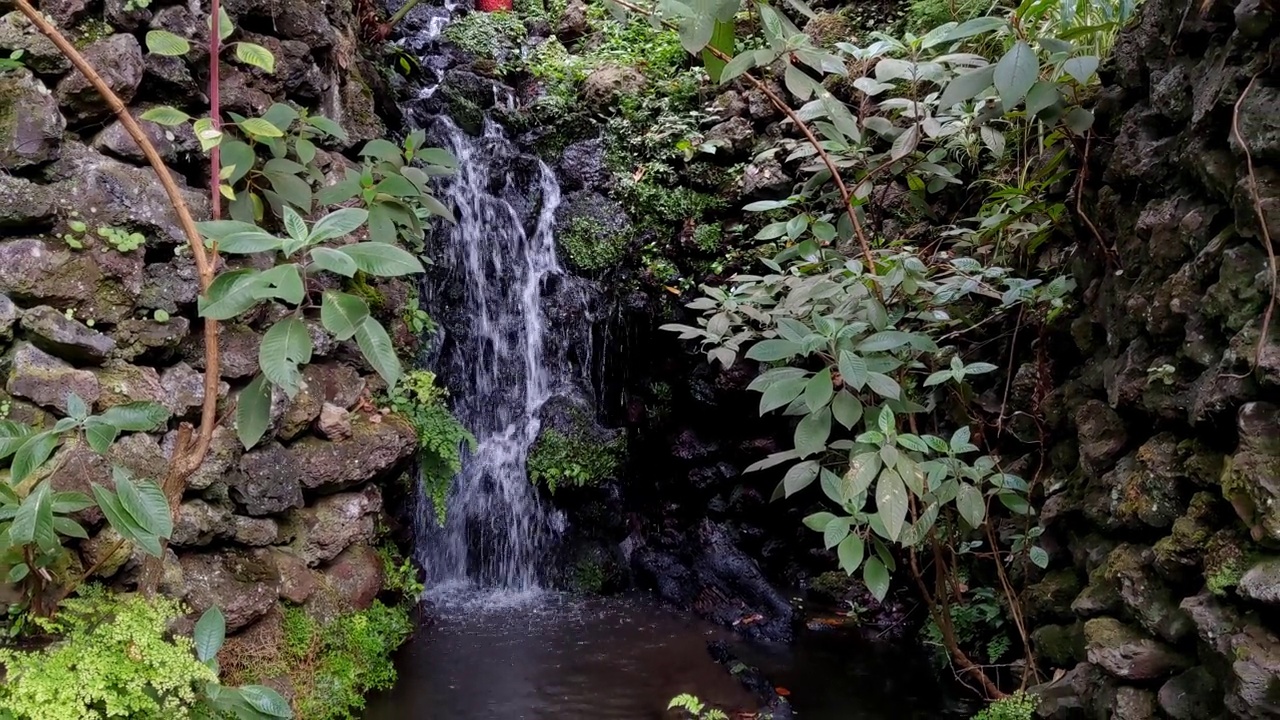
x=559, y=656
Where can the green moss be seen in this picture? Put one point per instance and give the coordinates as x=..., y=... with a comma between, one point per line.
x=463, y=111
x=659, y=205
x=590, y=246
x=578, y=459
x=440, y=436
x=486, y=34
x=1225, y=560
x=708, y=237
x=89, y=31
x=1018, y=706
x=360, y=287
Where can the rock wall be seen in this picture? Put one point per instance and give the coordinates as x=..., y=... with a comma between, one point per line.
x=1162, y=490
x=291, y=520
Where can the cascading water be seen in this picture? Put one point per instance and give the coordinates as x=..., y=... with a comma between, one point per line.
x=496, y=364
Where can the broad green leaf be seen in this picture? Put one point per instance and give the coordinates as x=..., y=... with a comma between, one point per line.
x=266, y=701
x=381, y=149
x=1078, y=120
x=70, y=528
x=253, y=411
x=123, y=522
x=735, y=67
x=165, y=115
x=18, y=572
x=772, y=350
x=208, y=135
x=337, y=224
x=12, y=435
x=382, y=259
x=970, y=503
x=891, y=502
x=876, y=577
x=238, y=155
x=260, y=128
x=378, y=350
x=281, y=115
x=100, y=434
x=291, y=189
x=850, y=553
x=77, y=408
x=144, y=501
x=327, y=126
x=1081, y=68
x=835, y=532
x=256, y=55
x=831, y=486
x=33, y=453
x=230, y=294
x=335, y=262
x=818, y=521
x=438, y=156
x=284, y=347
x=846, y=408
x=210, y=631
x=800, y=476
x=912, y=442
x=967, y=86
x=282, y=282
x=1015, y=73
x=70, y=502
x=249, y=243
x=218, y=229
x=295, y=225
x=1042, y=95
x=781, y=393
x=141, y=416
x=722, y=40
x=853, y=370
x=1015, y=502
x=35, y=509
x=862, y=471
x=1039, y=557
x=960, y=440
x=818, y=391
x=969, y=28
x=163, y=42
x=882, y=341
x=341, y=313
x=305, y=149
x=225, y=26
x=812, y=432
x=905, y=143
x=884, y=386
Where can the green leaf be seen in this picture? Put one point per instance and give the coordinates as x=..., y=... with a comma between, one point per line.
x=238, y=155
x=249, y=242
x=773, y=350
x=144, y=501
x=967, y=86
x=261, y=128
x=1081, y=68
x=165, y=115
x=291, y=189
x=208, y=135
x=284, y=347
x=818, y=391
x=100, y=434
x=835, y=532
x=295, y=225
x=280, y=115
x=337, y=224
x=305, y=149
x=737, y=66
x=163, y=42
x=13, y=435
x=327, y=126
x=282, y=282
x=1042, y=95
x=800, y=476
x=225, y=26
x=876, y=577
x=253, y=411
x=884, y=386
x=853, y=370
x=77, y=408
x=722, y=40
x=335, y=262
x=812, y=432
x=850, y=552
x=891, y=502
x=1078, y=120
x=341, y=313
x=124, y=523
x=70, y=528
x=846, y=408
x=256, y=55
x=35, y=509
x=1039, y=557
x=438, y=156
x=969, y=28
x=140, y=416
x=1015, y=503
x=230, y=294
x=882, y=341
x=70, y=502
x=862, y=471
x=382, y=259
x=266, y=701
x=378, y=350
x=781, y=393
x=18, y=572
x=33, y=453
x=210, y=631
x=1015, y=73
x=381, y=149
x=971, y=505
x=818, y=521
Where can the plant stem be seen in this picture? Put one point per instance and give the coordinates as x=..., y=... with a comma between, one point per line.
x=404, y=10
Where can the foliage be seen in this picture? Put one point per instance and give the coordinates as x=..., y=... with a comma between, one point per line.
x=440, y=436
x=117, y=658
x=696, y=709
x=590, y=246
x=979, y=621
x=924, y=15
x=1018, y=706
x=398, y=572
x=13, y=61
x=487, y=34
x=576, y=459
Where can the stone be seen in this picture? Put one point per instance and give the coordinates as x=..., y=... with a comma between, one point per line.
x=732, y=136
x=25, y=206
x=603, y=86
x=350, y=583
x=297, y=581
x=8, y=318
x=254, y=532
x=66, y=12
x=38, y=52
x=34, y=272
x=1127, y=653
x=334, y=422
x=268, y=482
x=1066, y=697
x=183, y=388
x=48, y=381
x=334, y=523
x=105, y=553
x=237, y=347
x=1192, y=695
x=75, y=467
x=118, y=61
x=1251, y=477
x=582, y=166
x=372, y=450
x=199, y=523
x=300, y=411
x=114, y=140
x=573, y=22
x=727, y=104
x=1051, y=598
x=169, y=286
x=1133, y=703
x=31, y=126
x=221, y=460
x=764, y=177
x=137, y=337
x=1059, y=645
x=1253, y=690
x=244, y=587
x=118, y=14
x=60, y=335
x=759, y=106
x=1179, y=555
x=123, y=383
x=1261, y=582
x=1102, y=436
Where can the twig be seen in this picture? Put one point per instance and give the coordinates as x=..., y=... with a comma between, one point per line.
x=1262, y=221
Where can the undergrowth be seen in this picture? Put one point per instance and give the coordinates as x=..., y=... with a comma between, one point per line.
x=440, y=436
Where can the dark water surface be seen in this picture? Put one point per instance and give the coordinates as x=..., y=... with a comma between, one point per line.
x=574, y=658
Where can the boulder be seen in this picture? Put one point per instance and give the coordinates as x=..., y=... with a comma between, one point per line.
x=36, y=271
x=183, y=388
x=1261, y=582
x=25, y=206
x=733, y=136
x=297, y=581
x=126, y=15
x=573, y=22
x=58, y=334
x=31, y=126
x=338, y=384
x=334, y=422
x=48, y=381
x=350, y=583
x=75, y=467
x=243, y=586
x=221, y=460
x=169, y=286
x=764, y=177
x=66, y=12
x=1253, y=691
x=1127, y=653
x=582, y=166
x=1051, y=598
x=268, y=482
x=1145, y=597
x=1192, y=695
x=1101, y=434
x=106, y=554
x=8, y=318
x=123, y=383
x=1251, y=477
x=1059, y=645
x=137, y=337
x=300, y=411
x=603, y=86
x=371, y=451
x=115, y=141
x=1133, y=703
x=199, y=523
x=334, y=523
x=291, y=19
x=254, y=532
x=118, y=61
x=38, y=52
x=237, y=347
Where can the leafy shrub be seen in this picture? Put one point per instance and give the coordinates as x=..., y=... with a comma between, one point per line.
x=486, y=34
x=440, y=436
x=592, y=247
x=577, y=459
x=398, y=572
x=924, y=15
x=1018, y=706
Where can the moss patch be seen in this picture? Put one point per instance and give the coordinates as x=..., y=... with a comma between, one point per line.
x=575, y=459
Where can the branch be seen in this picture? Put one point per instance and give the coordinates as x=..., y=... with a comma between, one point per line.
x=186, y=457
x=1264, y=231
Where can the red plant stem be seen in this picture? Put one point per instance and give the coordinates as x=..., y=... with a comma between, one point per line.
x=215, y=109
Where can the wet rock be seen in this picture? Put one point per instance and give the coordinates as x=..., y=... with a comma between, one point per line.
x=66, y=12
x=337, y=384
x=1127, y=653
x=1261, y=582
x=1101, y=434
x=1127, y=571
x=1253, y=690
x=30, y=125
x=1251, y=477
x=297, y=581
x=573, y=22
x=372, y=450
x=119, y=15
x=1133, y=703
x=603, y=86
x=728, y=104
x=291, y=19
x=268, y=481
x=1051, y=597
x=60, y=335
x=1178, y=556
x=242, y=586
x=351, y=582
x=198, y=523
x=356, y=109
x=765, y=177
x=118, y=61
x=46, y=380
x=122, y=383
x=238, y=351
x=169, y=286
x=334, y=422
x=222, y=459
x=35, y=271
x=1193, y=695
x=8, y=318
x=300, y=411
x=582, y=167
x=170, y=77
x=1067, y=697
x=114, y=140
x=38, y=52
x=759, y=106
x=334, y=523
x=254, y=532
x=183, y=389
x=25, y=205
x=137, y=337
x=732, y=136
x=1059, y=645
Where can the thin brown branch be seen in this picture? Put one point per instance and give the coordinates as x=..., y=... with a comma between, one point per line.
x=1263, y=230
